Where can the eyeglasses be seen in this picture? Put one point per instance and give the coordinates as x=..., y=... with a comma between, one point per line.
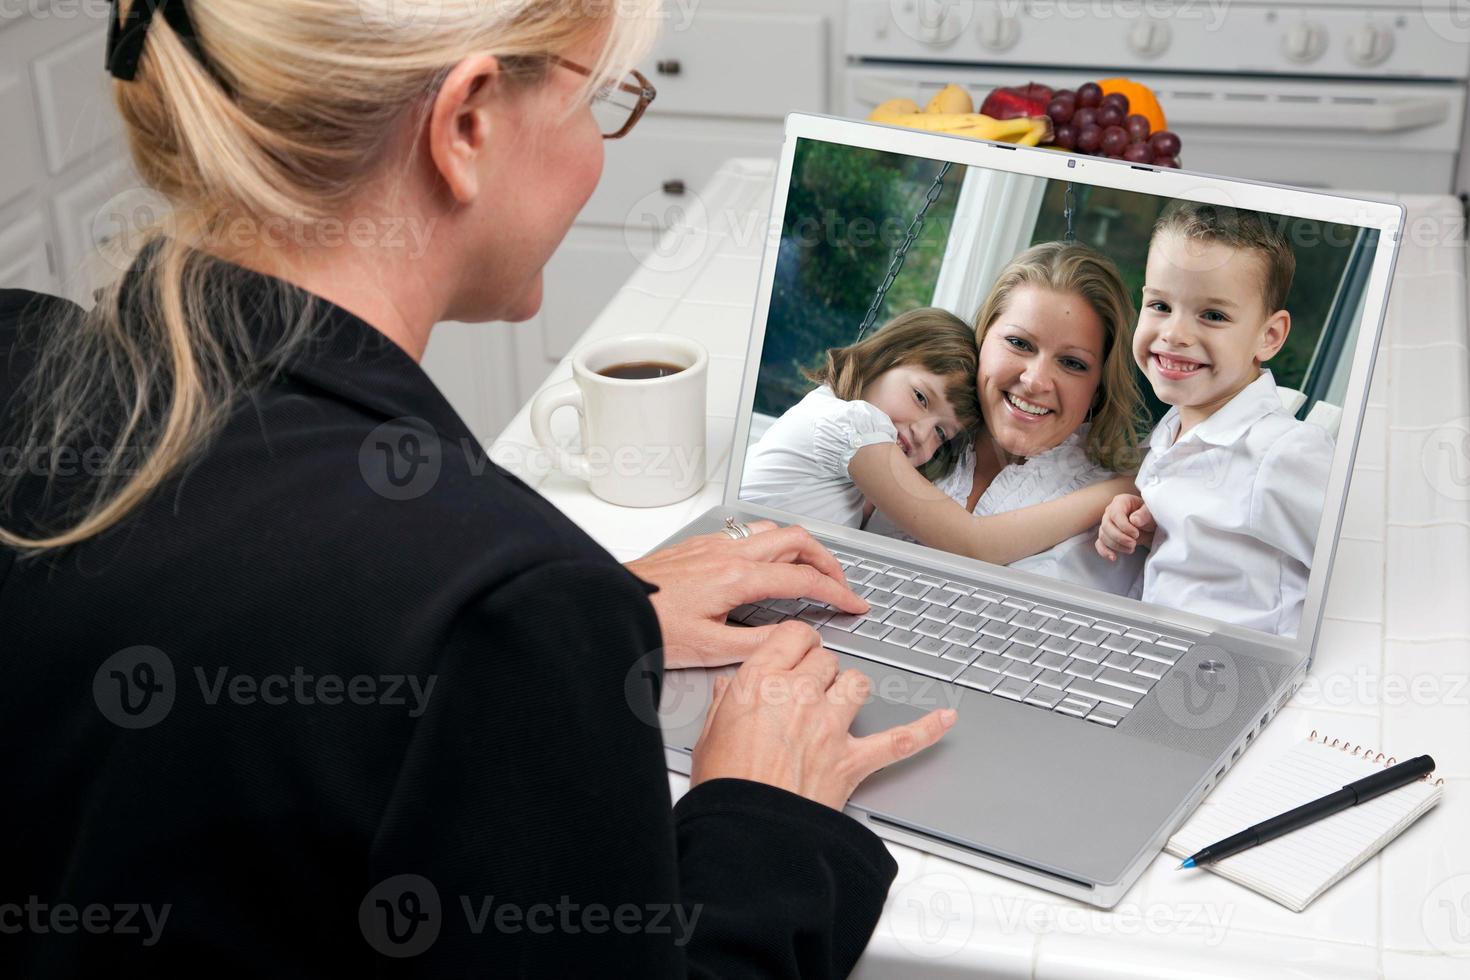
x=617, y=107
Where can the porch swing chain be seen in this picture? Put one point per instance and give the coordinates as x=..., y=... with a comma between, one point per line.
x=899, y=254
x=1069, y=210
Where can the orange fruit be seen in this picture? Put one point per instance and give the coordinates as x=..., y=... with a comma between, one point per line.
x=1141, y=99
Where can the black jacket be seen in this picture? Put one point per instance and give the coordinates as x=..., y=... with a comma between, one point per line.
x=220, y=712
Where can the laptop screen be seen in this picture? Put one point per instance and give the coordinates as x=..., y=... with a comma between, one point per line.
x=1134, y=394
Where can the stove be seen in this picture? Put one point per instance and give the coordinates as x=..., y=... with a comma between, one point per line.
x=1351, y=96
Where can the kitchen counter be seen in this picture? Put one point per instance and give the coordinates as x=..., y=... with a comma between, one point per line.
x=1392, y=668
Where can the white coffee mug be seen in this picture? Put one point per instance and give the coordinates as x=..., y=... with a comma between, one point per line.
x=642, y=439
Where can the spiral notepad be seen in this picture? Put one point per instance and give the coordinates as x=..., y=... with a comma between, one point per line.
x=1295, y=868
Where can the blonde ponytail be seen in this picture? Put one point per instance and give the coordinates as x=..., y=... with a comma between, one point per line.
x=316, y=88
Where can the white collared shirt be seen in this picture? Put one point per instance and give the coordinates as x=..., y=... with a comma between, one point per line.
x=1237, y=500
x=800, y=462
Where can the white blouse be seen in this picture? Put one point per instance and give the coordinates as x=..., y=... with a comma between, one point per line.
x=800, y=463
x=1047, y=476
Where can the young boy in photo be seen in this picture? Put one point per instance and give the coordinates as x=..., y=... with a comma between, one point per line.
x=1231, y=491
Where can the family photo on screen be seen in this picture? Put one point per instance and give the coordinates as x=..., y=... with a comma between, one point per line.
x=1129, y=393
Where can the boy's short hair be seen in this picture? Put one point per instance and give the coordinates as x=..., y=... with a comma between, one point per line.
x=1240, y=229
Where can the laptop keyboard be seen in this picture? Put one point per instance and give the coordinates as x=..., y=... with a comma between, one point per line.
x=1040, y=655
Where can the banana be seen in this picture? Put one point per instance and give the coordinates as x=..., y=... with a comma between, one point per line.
x=1041, y=131
x=895, y=107
x=950, y=99
x=1023, y=130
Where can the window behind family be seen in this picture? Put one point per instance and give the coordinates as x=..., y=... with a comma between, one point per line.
x=1132, y=393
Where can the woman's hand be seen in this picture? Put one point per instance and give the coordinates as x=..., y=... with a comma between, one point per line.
x=784, y=720
x=1126, y=524
x=702, y=578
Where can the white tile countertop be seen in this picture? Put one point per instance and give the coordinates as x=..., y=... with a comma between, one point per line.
x=1392, y=668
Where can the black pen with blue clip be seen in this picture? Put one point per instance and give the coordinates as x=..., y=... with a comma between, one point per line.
x=1350, y=795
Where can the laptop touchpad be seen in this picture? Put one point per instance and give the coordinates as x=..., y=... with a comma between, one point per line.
x=880, y=715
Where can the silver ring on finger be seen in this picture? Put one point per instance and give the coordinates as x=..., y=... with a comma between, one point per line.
x=735, y=529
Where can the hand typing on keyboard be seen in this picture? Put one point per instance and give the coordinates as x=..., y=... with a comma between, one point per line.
x=1053, y=658
x=701, y=579
x=784, y=719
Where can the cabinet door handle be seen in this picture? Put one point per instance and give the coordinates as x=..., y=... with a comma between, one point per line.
x=669, y=66
x=675, y=187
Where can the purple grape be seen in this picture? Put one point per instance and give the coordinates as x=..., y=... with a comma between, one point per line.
x=1117, y=99
x=1109, y=115
x=1164, y=144
x=1114, y=139
x=1060, y=110
x=1084, y=116
x=1089, y=95
x=1137, y=126
x=1065, y=136
x=1089, y=138
x=1138, y=153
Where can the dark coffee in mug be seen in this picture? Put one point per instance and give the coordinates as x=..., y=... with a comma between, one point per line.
x=640, y=370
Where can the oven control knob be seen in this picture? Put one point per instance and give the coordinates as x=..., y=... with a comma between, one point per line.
x=1370, y=45
x=998, y=31
x=1149, y=37
x=1304, y=41
x=938, y=24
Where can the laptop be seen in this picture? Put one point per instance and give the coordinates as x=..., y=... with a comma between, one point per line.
x=1090, y=722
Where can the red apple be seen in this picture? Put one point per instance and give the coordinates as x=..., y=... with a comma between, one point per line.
x=1030, y=99
x=1038, y=91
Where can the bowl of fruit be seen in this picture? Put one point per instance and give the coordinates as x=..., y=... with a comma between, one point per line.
x=1100, y=119
x=1115, y=117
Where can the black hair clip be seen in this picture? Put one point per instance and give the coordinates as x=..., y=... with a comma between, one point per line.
x=125, y=36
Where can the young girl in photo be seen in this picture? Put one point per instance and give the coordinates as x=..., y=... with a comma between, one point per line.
x=910, y=385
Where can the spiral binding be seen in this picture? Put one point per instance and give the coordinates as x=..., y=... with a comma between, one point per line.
x=1370, y=754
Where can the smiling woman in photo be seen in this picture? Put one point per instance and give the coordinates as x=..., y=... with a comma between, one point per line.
x=1061, y=411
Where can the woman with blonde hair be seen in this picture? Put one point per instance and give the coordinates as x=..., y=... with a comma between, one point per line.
x=291, y=664
x=1062, y=414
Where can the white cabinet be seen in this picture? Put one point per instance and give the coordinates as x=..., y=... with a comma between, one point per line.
x=24, y=256
x=727, y=73
x=62, y=158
